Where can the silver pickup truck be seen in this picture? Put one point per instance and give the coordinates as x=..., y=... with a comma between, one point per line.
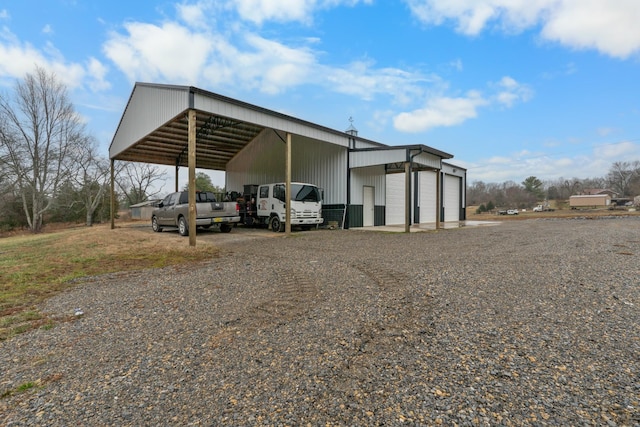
x=173, y=212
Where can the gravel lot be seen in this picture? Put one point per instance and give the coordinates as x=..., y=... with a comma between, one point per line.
x=525, y=323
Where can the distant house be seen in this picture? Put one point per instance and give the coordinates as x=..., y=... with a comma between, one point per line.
x=143, y=210
x=588, y=200
x=599, y=191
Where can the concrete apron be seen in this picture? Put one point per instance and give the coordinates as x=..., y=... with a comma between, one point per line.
x=431, y=226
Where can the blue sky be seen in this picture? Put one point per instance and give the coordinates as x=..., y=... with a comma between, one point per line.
x=511, y=88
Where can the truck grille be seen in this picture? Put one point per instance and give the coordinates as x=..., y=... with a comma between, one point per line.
x=306, y=214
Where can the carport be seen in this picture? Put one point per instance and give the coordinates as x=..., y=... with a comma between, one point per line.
x=183, y=126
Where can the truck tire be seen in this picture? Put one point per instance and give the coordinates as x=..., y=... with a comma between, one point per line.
x=225, y=228
x=276, y=225
x=183, y=227
x=154, y=225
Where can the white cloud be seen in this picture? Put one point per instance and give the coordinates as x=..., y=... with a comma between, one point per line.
x=548, y=166
x=618, y=151
x=362, y=79
x=259, y=11
x=235, y=56
x=17, y=59
x=151, y=52
x=510, y=92
x=4, y=14
x=610, y=27
x=96, y=73
x=264, y=65
x=193, y=14
x=440, y=111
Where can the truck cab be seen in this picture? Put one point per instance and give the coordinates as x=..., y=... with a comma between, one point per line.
x=306, y=205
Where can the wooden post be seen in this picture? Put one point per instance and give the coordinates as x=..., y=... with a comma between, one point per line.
x=176, y=178
x=112, y=208
x=192, y=177
x=438, y=198
x=407, y=197
x=287, y=226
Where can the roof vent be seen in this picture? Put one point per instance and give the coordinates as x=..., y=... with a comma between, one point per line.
x=351, y=130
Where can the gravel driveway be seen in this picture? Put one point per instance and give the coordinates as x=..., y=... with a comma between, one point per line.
x=531, y=322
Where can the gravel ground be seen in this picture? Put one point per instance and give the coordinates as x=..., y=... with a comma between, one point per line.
x=525, y=323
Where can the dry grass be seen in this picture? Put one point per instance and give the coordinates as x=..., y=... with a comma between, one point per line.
x=35, y=267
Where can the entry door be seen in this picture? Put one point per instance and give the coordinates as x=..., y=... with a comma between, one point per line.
x=369, y=199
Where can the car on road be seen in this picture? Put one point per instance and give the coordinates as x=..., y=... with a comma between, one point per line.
x=512, y=212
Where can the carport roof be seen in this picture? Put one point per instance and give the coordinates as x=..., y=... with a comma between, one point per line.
x=154, y=127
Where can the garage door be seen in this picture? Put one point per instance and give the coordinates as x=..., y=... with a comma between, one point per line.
x=394, y=211
x=451, y=198
x=428, y=197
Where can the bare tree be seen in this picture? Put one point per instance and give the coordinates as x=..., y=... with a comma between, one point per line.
x=570, y=187
x=91, y=178
x=137, y=181
x=621, y=175
x=39, y=130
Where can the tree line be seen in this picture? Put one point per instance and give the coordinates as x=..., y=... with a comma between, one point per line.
x=50, y=167
x=623, y=178
x=51, y=170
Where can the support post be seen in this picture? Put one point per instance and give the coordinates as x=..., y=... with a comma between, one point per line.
x=112, y=207
x=192, y=177
x=407, y=197
x=287, y=226
x=438, y=198
x=176, y=178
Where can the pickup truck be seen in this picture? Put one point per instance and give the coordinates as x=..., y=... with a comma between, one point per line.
x=173, y=211
x=542, y=208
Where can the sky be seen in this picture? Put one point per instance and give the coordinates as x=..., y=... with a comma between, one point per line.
x=511, y=88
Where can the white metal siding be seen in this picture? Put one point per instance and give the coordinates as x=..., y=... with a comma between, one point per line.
x=261, y=117
x=426, y=159
x=395, y=199
x=263, y=161
x=428, y=197
x=373, y=176
x=455, y=170
x=149, y=108
x=377, y=157
x=366, y=144
x=451, y=198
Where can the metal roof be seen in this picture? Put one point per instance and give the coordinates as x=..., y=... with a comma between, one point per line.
x=218, y=140
x=154, y=128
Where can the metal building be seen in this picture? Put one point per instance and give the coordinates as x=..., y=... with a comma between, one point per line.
x=366, y=183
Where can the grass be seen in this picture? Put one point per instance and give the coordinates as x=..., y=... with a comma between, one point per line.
x=36, y=267
x=20, y=389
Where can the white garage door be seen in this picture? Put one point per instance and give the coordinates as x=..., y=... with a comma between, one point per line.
x=451, y=198
x=394, y=211
x=428, y=193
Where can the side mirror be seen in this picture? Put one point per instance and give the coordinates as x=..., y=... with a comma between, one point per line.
x=160, y=205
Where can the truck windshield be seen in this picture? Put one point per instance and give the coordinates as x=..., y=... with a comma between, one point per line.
x=305, y=193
